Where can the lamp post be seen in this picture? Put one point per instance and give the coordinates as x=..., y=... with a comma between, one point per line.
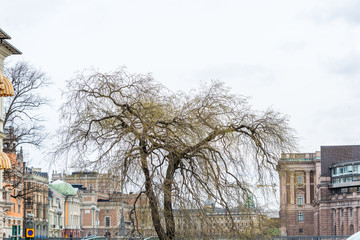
x=93, y=208
x=59, y=212
x=29, y=220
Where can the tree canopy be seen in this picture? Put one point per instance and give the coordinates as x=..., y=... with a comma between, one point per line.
x=177, y=148
x=21, y=110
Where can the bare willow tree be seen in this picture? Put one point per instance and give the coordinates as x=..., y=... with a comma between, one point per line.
x=176, y=148
x=21, y=110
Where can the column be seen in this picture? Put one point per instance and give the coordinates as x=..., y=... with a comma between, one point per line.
x=346, y=221
x=307, y=187
x=292, y=191
x=356, y=219
x=333, y=221
x=283, y=203
x=338, y=215
x=283, y=195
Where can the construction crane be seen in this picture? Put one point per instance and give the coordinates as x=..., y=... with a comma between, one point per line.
x=273, y=186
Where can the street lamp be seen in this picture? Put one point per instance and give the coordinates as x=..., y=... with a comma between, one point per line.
x=59, y=211
x=93, y=208
x=30, y=218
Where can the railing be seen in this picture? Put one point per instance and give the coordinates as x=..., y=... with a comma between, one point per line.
x=309, y=238
x=200, y=238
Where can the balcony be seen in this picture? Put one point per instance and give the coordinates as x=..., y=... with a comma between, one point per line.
x=345, y=184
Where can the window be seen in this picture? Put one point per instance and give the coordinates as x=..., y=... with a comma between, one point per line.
x=301, y=230
x=342, y=212
x=19, y=205
x=107, y=221
x=91, y=187
x=107, y=210
x=300, y=200
x=351, y=212
x=301, y=217
x=300, y=179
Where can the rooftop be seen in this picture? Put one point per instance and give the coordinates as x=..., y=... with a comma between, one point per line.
x=4, y=35
x=63, y=188
x=300, y=156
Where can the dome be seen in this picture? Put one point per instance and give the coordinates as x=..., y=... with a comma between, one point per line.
x=63, y=188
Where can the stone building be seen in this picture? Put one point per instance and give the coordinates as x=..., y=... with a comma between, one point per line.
x=104, y=209
x=13, y=183
x=298, y=175
x=320, y=192
x=243, y=221
x=36, y=186
x=6, y=90
x=65, y=220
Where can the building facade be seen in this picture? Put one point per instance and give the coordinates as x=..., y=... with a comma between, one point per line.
x=66, y=216
x=13, y=183
x=320, y=192
x=219, y=223
x=6, y=90
x=107, y=211
x=36, y=193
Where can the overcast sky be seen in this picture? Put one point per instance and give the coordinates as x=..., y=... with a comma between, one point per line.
x=301, y=58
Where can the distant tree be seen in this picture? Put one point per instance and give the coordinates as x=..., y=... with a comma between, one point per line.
x=22, y=124
x=21, y=110
x=176, y=148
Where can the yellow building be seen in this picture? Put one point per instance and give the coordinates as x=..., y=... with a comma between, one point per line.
x=6, y=90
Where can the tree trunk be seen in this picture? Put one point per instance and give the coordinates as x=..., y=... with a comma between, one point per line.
x=168, y=211
x=153, y=201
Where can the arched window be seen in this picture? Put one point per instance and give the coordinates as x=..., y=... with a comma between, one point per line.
x=351, y=229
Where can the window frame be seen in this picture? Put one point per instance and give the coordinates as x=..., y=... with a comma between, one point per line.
x=300, y=200
x=105, y=223
x=300, y=217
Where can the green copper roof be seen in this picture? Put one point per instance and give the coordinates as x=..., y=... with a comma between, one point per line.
x=63, y=188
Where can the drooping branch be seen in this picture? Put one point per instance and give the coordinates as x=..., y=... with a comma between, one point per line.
x=177, y=148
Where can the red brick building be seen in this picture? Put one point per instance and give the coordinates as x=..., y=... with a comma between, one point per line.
x=320, y=192
x=103, y=205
